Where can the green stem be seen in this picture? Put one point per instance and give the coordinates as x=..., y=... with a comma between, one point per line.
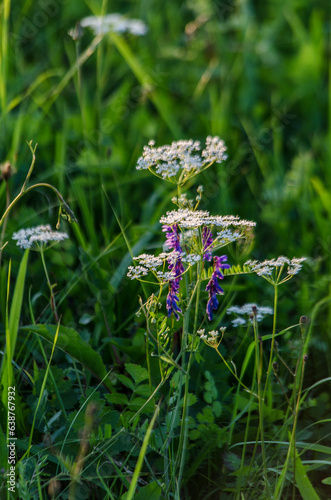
x=259, y=366
x=272, y=340
x=39, y=184
x=233, y=373
x=50, y=286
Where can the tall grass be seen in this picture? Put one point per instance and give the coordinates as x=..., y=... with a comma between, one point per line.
x=165, y=423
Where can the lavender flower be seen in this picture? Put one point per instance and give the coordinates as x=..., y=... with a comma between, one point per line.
x=207, y=241
x=213, y=287
x=172, y=237
x=176, y=267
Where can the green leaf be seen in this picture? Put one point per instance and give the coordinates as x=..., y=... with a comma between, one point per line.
x=150, y=492
x=126, y=381
x=16, y=305
x=137, y=403
x=327, y=480
x=304, y=485
x=137, y=372
x=70, y=342
x=118, y=399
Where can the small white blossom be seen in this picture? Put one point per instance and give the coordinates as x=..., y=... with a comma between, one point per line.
x=190, y=219
x=247, y=310
x=181, y=158
x=136, y=272
x=35, y=237
x=212, y=338
x=226, y=236
x=267, y=268
x=115, y=23
x=191, y=258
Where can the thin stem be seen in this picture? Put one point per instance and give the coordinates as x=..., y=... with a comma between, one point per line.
x=233, y=373
x=50, y=286
x=273, y=338
x=68, y=211
x=183, y=434
x=28, y=175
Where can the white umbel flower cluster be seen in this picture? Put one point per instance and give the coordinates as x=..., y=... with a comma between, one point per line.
x=191, y=219
x=226, y=236
x=35, y=237
x=247, y=310
x=272, y=269
x=181, y=159
x=213, y=338
x=150, y=263
x=115, y=23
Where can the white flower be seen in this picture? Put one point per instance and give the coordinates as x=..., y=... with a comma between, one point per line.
x=136, y=272
x=191, y=219
x=212, y=338
x=247, y=310
x=115, y=23
x=267, y=268
x=181, y=157
x=35, y=237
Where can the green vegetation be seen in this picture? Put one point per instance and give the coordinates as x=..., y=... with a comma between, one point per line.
x=113, y=398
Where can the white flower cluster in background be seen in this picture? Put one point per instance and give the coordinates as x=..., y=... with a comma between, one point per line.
x=39, y=235
x=247, y=310
x=191, y=219
x=115, y=23
x=181, y=158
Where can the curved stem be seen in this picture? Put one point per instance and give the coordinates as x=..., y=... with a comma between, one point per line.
x=69, y=212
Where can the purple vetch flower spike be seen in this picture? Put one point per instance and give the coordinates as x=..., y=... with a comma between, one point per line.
x=176, y=266
x=173, y=299
x=207, y=241
x=213, y=287
x=172, y=237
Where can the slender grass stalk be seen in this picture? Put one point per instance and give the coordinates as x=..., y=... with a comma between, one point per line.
x=272, y=343
x=259, y=369
x=141, y=456
x=42, y=389
x=50, y=286
x=291, y=448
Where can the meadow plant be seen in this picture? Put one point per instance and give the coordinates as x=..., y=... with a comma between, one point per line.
x=192, y=267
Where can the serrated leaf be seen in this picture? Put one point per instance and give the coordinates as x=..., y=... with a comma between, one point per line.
x=217, y=408
x=137, y=403
x=116, y=398
x=144, y=390
x=126, y=381
x=70, y=342
x=137, y=372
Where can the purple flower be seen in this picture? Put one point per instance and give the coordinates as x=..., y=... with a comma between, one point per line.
x=213, y=287
x=207, y=241
x=175, y=265
x=172, y=237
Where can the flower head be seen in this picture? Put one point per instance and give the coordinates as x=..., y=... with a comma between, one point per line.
x=181, y=160
x=273, y=270
x=115, y=23
x=36, y=237
x=213, y=287
x=212, y=338
x=245, y=312
x=207, y=243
